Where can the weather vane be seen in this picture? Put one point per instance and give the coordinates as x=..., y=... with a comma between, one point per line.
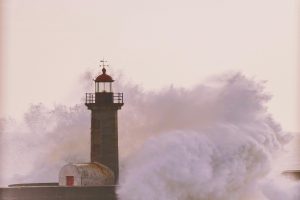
x=102, y=63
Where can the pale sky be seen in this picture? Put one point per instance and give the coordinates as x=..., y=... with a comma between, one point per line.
x=48, y=45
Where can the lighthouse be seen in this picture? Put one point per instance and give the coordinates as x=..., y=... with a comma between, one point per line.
x=104, y=105
x=103, y=168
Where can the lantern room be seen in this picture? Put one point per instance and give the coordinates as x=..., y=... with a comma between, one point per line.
x=103, y=95
x=103, y=83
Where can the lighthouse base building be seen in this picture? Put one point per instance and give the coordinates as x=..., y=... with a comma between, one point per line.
x=98, y=179
x=85, y=174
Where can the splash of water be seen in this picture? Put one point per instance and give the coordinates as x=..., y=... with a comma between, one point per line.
x=222, y=151
x=213, y=141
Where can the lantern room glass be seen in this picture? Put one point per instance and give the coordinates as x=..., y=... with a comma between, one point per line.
x=103, y=87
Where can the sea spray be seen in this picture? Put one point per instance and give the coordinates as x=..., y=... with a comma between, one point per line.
x=215, y=165
x=47, y=139
x=207, y=143
x=214, y=140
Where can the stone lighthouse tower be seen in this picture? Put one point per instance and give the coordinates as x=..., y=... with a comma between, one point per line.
x=104, y=106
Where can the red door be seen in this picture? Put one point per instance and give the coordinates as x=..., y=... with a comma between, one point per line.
x=70, y=180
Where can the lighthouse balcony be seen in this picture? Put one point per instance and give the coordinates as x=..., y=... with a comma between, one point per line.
x=104, y=98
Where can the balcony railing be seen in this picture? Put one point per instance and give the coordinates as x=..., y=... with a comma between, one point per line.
x=91, y=98
x=118, y=97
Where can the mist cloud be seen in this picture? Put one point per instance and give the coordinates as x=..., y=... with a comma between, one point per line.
x=213, y=141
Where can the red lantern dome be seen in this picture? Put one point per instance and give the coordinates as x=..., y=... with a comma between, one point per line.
x=104, y=77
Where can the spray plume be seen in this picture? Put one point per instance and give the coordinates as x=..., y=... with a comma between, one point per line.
x=214, y=141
